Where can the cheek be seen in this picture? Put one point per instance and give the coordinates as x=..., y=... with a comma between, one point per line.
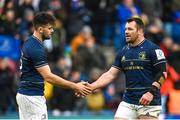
x=46, y=32
x=134, y=35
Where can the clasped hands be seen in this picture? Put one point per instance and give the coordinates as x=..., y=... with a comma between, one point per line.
x=83, y=89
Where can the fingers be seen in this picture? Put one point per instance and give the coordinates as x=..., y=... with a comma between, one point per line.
x=81, y=95
x=86, y=91
x=83, y=89
x=87, y=88
x=84, y=83
x=87, y=84
x=146, y=99
x=144, y=102
x=78, y=95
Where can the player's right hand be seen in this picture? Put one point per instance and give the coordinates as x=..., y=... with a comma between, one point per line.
x=146, y=99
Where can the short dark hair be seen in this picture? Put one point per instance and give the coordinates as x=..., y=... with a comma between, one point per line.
x=138, y=21
x=43, y=18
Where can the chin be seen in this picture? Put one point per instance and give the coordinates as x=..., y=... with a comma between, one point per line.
x=128, y=41
x=47, y=38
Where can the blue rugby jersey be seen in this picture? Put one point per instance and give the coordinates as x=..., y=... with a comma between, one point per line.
x=138, y=65
x=33, y=56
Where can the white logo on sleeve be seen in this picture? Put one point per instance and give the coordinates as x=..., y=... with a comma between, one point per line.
x=159, y=54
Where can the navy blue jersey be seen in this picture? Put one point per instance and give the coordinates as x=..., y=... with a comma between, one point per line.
x=138, y=65
x=33, y=56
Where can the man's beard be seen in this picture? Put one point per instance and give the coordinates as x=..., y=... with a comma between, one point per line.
x=128, y=41
x=45, y=37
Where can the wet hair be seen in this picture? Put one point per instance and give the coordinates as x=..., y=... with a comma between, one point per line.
x=43, y=18
x=138, y=22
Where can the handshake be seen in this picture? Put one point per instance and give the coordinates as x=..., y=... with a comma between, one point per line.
x=83, y=89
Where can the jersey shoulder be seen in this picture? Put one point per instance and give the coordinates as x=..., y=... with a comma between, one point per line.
x=155, y=51
x=124, y=49
x=150, y=45
x=31, y=45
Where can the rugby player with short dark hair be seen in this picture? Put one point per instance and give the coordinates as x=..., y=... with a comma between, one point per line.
x=144, y=65
x=35, y=70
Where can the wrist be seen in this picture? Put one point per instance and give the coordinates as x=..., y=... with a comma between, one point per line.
x=153, y=89
x=93, y=87
x=156, y=84
x=74, y=86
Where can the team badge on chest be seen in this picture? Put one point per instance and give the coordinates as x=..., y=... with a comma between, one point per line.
x=142, y=55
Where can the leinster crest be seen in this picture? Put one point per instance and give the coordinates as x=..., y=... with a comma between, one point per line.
x=142, y=55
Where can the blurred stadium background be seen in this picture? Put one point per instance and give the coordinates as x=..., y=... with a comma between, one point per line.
x=88, y=34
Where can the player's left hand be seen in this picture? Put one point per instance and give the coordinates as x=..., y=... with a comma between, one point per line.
x=146, y=99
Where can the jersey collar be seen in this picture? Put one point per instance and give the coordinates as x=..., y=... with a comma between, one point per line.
x=37, y=39
x=138, y=44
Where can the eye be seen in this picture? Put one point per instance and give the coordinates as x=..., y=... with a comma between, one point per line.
x=50, y=28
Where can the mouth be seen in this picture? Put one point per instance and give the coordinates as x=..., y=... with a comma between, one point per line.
x=127, y=36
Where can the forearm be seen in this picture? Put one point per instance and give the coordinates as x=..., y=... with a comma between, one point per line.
x=156, y=85
x=103, y=80
x=159, y=82
x=58, y=81
x=54, y=79
x=160, y=75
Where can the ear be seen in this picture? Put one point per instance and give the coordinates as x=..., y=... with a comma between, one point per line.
x=40, y=29
x=140, y=31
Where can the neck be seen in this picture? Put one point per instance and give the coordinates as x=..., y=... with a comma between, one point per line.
x=38, y=36
x=138, y=41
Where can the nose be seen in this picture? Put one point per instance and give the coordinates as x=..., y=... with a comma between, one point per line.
x=52, y=30
x=126, y=31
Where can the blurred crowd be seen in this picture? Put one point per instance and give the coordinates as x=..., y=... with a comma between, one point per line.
x=87, y=35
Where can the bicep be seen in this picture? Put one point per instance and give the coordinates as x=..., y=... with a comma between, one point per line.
x=38, y=57
x=159, y=61
x=44, y=71
x=118, y=59
x=159, y=66
x=160, y=73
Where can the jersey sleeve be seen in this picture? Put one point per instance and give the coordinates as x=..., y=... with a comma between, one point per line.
x=117, y=61
x=157, y=56
x=38, y=57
